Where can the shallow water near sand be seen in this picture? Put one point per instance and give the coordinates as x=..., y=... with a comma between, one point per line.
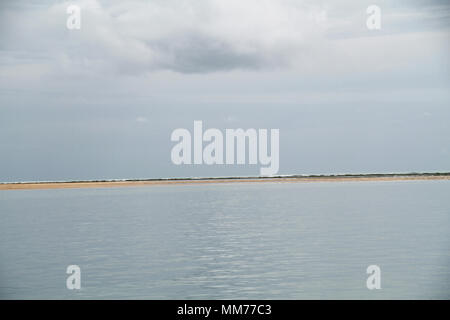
x=228, y=241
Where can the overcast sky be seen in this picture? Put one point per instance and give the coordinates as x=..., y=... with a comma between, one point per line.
x=102, y=101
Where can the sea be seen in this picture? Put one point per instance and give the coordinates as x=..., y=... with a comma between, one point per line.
x=241, y=240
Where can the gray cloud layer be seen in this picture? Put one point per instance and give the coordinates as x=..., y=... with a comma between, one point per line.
x=198, y=36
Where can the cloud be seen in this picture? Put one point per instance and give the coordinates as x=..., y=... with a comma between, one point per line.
x=182, y=36
x=141, y=119
x=188, y=36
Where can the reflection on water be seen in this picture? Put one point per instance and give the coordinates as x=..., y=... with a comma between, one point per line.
x=239, y=240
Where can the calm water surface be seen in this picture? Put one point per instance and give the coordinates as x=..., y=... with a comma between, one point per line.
x=228, y=241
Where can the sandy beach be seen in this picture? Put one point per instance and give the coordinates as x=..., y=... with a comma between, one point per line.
x=296, y=179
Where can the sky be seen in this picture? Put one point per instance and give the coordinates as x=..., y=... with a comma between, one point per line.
x=101, y=102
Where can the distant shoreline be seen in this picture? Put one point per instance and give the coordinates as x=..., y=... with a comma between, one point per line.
x=291, y=178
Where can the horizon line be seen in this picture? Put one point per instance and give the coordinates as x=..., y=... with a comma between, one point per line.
x=280, y=178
